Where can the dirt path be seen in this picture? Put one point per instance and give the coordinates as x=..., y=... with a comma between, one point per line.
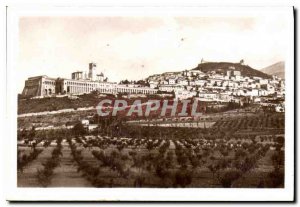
x=29, y=176
x=172, y=145
x=66, y=175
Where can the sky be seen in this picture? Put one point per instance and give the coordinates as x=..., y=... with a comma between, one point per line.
x=135, y=47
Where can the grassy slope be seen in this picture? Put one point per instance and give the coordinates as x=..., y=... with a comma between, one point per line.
x=224, y=66
x=58, y=103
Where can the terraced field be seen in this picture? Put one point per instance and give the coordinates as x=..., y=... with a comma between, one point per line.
x=102, y=161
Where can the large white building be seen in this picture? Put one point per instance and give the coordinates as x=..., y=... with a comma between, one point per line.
x=78, y=84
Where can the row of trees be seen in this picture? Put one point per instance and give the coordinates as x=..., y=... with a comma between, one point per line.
x=190, y=154
x=275, y=121
x=44, y=175
x=24, y=159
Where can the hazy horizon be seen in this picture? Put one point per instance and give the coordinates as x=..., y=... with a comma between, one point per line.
x=135, y=47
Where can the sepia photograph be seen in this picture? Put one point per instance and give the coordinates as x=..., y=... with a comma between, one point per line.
x=156, y=101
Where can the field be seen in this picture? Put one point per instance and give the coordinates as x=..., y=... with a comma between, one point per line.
x=120, y=155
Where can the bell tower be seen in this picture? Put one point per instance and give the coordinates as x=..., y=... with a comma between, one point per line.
x=92, y=71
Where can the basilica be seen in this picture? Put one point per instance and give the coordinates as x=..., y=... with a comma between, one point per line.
x=80, y=83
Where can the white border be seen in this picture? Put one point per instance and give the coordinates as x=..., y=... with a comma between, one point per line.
x=141, y=194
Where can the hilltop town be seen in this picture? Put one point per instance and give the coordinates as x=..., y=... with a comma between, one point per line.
x=207, y=78
x=209, y=82
x=224, y=84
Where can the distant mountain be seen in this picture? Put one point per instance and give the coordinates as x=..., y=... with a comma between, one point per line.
x=275, y=69
x=225, y=66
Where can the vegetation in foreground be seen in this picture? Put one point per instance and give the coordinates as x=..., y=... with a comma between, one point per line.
x=139, y=156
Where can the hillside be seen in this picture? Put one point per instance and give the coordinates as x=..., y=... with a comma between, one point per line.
x=60, y=103
x=224, y=66
x=56, y=103
x=275, y=69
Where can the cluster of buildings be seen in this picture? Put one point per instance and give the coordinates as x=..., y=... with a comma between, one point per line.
x=215, y=85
